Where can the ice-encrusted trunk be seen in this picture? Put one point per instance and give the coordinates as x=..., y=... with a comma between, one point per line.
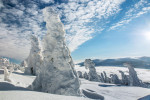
x=133, y=78
x=102, y=79
x=34, y=59
x=106, y=79
x=92, y=75
x=57, y=75
x=124, y=78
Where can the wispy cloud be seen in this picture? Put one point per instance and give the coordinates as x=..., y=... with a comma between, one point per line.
x=48, y=1
x=83, y=16
x=19, y=19
x=1, y=4
x=16, y=23
x=138, y=9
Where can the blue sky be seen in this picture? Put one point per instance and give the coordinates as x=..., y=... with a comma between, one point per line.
x=128, y=41
x=94, y=28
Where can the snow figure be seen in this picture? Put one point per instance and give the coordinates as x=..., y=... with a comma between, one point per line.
x=92, y=71
x=23, y=64
x=114, y=79
x=34, y=59
x=7, y=74
x=124, y=79
x=57, y=75
x=133, y=78
x=85, y=75
x=80, y=74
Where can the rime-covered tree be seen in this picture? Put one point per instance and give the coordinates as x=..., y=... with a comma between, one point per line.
x=92, y=75
x=133, y=78
x=85, y=75
x=7, y=74
x=80, y=74
x=57, y=75
x=114, y=79
x=124, y=78
x=34, y=60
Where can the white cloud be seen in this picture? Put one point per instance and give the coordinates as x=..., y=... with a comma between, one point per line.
x=1, y=4
x=16, y=24
x=138, y=10
x=20, y=21
x=48, y=1
x=79, y=16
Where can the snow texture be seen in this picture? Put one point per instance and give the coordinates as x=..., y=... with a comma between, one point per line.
x=92, y=75
x=57, y=75
x=92, y=95
x=34, y=59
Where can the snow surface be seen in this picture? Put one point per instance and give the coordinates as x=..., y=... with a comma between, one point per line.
x=109, y=91
x=32, y=95
x=17, y=90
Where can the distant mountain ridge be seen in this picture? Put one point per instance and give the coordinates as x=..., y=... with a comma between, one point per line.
x=140, y=62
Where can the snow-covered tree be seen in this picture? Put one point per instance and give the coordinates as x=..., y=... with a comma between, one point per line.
x=85, y=75
x=34, y=60
x=23, y=64
x=80, y=74
x=106, y=79
x=4, y=62
x=92, y=75
x=114, y=79
x=7, y=74
x=133, y=78
x=57, y=75
x=124, y=78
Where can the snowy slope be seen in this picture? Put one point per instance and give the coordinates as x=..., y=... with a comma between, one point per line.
x=18, y=78
x=113, y=92
x=32, y=95
x=17, y=89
